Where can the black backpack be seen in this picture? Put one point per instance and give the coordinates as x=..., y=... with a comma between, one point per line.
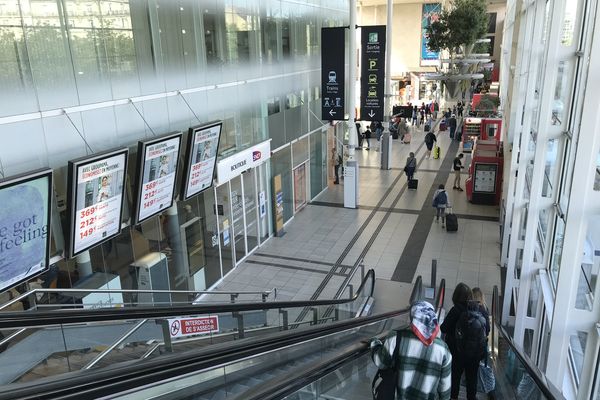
x=470, y=333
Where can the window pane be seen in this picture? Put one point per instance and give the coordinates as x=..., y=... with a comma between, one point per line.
x=557, y=250
x=597, y=179
x=551, y=167
x=561, y=92
x=590, y=264
x=576, y=348
x=568, y=27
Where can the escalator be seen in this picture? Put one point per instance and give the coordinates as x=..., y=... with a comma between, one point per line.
x=326, y=359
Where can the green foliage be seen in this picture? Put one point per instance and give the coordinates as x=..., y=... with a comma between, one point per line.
x=460, y=26
x=481, y=48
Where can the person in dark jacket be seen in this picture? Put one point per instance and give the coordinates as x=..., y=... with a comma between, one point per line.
x=368, y=138
x=411, y=166
x=460, y=362
x=360, y=136
x=452, y=125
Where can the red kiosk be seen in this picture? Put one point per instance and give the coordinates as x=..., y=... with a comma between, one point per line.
x=474, y=129
x=484, y=184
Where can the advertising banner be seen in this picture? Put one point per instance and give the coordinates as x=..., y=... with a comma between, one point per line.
x=333, y=73
x=372, y=81
x=278, y=205
x=96, y=189
x=24, y=226
x=179, y=327
x=203, y=144
x=155, y=181
x=431, y=13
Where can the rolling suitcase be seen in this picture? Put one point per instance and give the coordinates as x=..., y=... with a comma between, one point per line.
x=451, y=221
x=443, y=126
x=407, y=138
x=413, y=184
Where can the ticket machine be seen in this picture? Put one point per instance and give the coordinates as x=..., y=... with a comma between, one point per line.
x=474, y=129
x=484, y=184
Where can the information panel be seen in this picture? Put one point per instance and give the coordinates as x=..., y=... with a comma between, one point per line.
x=155, y=180
x=485, y=178
x=24, y=226
x=333, y=73
x=372, y=81
x=203, y=143
x=96, y=189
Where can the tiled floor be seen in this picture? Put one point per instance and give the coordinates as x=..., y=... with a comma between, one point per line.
x=324, y=240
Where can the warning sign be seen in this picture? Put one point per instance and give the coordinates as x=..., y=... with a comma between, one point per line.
x=179, y=327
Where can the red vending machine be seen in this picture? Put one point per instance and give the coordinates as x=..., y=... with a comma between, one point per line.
x=484, y=184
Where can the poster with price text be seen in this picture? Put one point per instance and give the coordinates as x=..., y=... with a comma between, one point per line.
x=24, y=226
x=155, y=181
x=203, y=144
x=96, y=187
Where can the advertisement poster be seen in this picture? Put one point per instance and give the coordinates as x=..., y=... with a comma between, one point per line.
x=96, y=185
x=24, y=227
x=278, y=205
x=203, y=145
x=485, y=178
x=179, y=327
x=157, y=160
x=431, y=13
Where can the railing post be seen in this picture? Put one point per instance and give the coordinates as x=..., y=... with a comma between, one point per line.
x=264, y=297
x=362, y=269
x=336, y=314
x=351, y=289
x=234, y=296
x=315, y=317
x=433, y=275
x=240, y=323
x=166, y=329
x=284, y=316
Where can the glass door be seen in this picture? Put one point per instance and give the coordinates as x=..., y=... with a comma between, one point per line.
x=300, y=187
x=264, y=208
x=237, y=210
x=249, y=181
x=225, y=227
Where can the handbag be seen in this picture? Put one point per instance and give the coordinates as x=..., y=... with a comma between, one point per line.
x=385, y=380
x=486, y=378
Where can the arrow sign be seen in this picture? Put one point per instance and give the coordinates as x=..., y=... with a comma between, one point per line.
x=331, y=112
x=371, y=113
x=372, y=72
x=332, y=73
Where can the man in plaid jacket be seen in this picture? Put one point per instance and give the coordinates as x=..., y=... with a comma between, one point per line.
x=424, y=361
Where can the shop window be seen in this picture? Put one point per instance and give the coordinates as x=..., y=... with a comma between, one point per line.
x=300, y=151
x=590, y=265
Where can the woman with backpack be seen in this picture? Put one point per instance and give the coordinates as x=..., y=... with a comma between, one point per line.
x=466, y=328
x=440, y=203
x=410, y=166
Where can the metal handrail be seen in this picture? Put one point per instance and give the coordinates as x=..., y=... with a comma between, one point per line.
x=13, y=320
x=115, y=344
x=71, y=290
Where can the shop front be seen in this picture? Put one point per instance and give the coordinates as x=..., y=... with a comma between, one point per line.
x=242, y=204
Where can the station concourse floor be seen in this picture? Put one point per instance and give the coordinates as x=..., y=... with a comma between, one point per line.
x=393, y=231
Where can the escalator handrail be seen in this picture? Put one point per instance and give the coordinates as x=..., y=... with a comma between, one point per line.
x=547, y=388
x=23, y=319
x=279, y=388
x=129, y=375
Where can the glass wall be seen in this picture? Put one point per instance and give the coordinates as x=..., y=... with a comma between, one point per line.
x=195, y=61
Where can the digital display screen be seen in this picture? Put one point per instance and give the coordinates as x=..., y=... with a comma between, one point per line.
x=203, y=144
x=96, y=187
x=157, y=170
x=485, y=178
x=24, y=226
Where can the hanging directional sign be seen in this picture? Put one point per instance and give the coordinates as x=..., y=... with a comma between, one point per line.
x=372, y=73
x=332, y=73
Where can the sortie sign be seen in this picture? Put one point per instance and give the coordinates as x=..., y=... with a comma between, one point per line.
x=179, y=327
x=332, y=73
x=372, y=80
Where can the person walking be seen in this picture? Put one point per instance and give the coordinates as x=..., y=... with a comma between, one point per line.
x=411, y=166
x=414, y=115
x=368, y=138
x=460, y=109
x=360, y=136
x=436, y=109
x=440, y=203
x=422, y=361
x=452, y=125
x=338, y=164
x=422, y=113
x=403, y=130
x=430, y=139
x=465, y=328
x=457, y=167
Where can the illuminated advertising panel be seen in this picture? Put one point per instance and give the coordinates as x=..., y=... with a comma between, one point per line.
x=96, y=193
x=203, y=144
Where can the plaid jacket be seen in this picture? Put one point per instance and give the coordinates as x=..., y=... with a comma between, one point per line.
x=423, y=371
